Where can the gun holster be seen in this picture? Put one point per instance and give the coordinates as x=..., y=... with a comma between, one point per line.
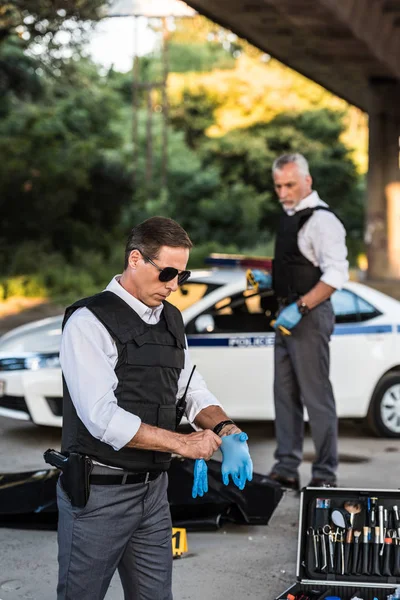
x=75, y=476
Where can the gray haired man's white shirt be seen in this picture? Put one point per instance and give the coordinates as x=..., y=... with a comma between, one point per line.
x=322, y=240
x=88, y=357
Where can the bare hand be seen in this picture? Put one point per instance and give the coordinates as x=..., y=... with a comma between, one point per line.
x=201, y=444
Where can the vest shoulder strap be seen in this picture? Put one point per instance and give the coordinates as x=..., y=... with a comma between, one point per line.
x=121, y=320
x=328, y=209
x=118, y=318
x=173, y=317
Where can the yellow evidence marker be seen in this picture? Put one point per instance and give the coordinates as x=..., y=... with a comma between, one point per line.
x=179, y=542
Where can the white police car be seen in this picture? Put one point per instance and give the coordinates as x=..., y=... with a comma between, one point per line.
x=231, y=342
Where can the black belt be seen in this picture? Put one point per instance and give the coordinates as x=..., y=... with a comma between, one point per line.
x=125, y=478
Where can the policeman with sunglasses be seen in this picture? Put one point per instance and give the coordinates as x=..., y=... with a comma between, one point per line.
x=125, y=363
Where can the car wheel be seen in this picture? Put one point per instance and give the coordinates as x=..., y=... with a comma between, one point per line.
x=384, y=411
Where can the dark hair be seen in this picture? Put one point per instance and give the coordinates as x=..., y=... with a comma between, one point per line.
x=153, y=233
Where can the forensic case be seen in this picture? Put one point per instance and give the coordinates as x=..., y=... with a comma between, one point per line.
x=348, y=545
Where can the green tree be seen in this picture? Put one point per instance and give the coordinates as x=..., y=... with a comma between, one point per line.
x=194, y=114
x=245, y=156
x=61, y=170
x=40, y=20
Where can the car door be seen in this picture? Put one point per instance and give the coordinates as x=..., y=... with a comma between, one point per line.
x=360, y=346
x=231, y=342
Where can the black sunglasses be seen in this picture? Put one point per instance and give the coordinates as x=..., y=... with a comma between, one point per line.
x=168, y=273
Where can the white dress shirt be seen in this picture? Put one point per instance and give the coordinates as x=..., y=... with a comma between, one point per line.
x=322, y=240
x=88, y=356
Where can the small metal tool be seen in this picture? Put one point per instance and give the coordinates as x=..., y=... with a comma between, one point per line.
x=310, y=531
x=381, y=530
x=328, y=531
x=323, y=548
x=397, y=519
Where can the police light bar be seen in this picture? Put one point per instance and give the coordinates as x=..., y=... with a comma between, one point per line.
x=239, y=260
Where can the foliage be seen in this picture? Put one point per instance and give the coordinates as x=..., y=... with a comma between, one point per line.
x=197, y=56
x=59, y=172
x=194, y=115
x=22, y=286
x=18, y=74
x=66, y=189
x=39, y=21
x=256, y=92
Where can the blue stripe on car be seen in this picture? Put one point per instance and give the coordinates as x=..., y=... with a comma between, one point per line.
x=243, y=340
x=361, y=329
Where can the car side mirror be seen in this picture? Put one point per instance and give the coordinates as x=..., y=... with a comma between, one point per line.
x=204, y=324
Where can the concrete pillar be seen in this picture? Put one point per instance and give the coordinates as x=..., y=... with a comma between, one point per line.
x=383, y=237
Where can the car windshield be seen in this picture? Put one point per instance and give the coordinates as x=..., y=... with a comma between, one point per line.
x=43, y=338
x=190, y=293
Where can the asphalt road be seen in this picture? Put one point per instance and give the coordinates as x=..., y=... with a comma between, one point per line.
x=235, y=563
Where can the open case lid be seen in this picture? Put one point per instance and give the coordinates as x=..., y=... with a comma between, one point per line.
x=316, y=505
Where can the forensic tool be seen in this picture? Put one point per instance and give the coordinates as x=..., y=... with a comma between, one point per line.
x=396, y=561
x=353, y=508
x=347, y=548
x=314, y=535
x=372, y=513
x=258, y=279
x=341, y=518
x=331, y=544
x=375, y=555
x=281, y=328
x=324, y=563
x=396, y=519
x=387, y=555
x=346, y=544
x=339, y=540
x=365, y=559
x=356, y=546
x=381, y=529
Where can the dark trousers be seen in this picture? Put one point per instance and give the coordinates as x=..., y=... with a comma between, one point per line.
x=302, y=379
x=124, y=527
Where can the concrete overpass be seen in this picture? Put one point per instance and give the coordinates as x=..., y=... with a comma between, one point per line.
x=352, y=48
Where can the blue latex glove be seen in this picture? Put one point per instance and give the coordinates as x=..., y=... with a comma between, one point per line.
x=259, y=279
x=200, y=479
x=289, y=317
x=236, y=460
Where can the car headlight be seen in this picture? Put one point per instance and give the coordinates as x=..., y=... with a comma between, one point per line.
x=30, y=363
x=42, y=361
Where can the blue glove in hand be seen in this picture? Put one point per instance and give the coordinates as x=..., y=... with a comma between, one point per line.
x=236, y=460
x=289, y=317
x=200, y=480
x=259, y=279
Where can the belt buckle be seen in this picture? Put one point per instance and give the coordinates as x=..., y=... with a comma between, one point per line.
x=147, y=478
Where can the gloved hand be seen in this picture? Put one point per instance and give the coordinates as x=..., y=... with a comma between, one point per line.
x=289, y=317
x=236, y=460
x=258, y=279
x=200, y=479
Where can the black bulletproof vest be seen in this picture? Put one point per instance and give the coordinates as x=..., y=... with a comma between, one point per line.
x=150, y=360
x=293, y=274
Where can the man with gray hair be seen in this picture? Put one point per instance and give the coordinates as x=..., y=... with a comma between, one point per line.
x=309, y=265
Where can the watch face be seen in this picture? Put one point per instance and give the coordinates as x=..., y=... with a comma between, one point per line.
x=303, y=309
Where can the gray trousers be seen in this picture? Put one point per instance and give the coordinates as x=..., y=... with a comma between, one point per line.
x=124, y=527
x=302, y=378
